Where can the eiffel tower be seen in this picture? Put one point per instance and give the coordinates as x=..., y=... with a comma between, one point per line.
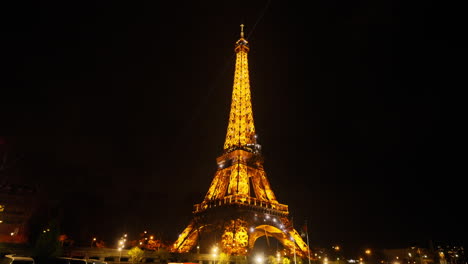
x=240, y=206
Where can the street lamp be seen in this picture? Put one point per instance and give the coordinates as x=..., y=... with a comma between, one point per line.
x=259, y=259
x=121, y=245
x=215, y=253
x=294, y=245
x=368, y=253
x=93, y=241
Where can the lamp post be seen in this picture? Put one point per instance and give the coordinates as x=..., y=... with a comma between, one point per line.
x=93, y=241
x=294, y=245
x=215, y=253
x=259, y=259
x=121, y=245
x=368, y=253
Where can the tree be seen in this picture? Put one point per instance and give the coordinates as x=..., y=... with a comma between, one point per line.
x=136, y=254
x=223, y=258
x=100, y=244
x=48, y=244
x=163, y=254
x=272, y=260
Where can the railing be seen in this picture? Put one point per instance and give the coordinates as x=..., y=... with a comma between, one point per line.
x=112, y=256
x=242, y=201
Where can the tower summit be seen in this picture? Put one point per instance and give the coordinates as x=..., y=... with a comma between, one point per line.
x=240, y=206
x=241, y=128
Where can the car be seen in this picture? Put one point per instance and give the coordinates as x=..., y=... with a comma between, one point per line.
x=66, y=260
x=16, y=259
x=95, y=261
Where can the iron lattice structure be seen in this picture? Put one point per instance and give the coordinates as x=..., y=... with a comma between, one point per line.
x=240, y=206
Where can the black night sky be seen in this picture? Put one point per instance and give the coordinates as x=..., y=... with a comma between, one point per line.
x=118, y=111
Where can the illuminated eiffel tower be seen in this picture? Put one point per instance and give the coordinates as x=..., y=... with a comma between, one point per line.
x=240, y=206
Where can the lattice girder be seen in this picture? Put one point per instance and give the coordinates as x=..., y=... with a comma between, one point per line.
x=237, y=230
x=241, y=128
x=240, y=205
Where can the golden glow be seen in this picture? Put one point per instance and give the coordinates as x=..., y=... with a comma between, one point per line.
x=231, y=184
x=235, y=238
x=240, y=182
x=241, y=129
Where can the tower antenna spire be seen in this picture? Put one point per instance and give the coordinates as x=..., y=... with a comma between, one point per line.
x=242, y=30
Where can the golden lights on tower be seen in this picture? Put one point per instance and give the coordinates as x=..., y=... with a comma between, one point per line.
x=240, y=185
